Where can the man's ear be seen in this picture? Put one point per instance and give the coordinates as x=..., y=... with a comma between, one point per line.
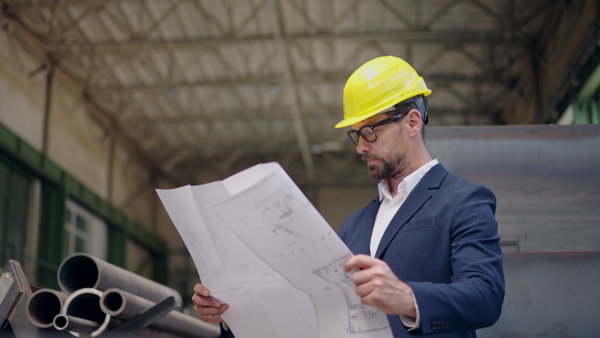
x=415, y=123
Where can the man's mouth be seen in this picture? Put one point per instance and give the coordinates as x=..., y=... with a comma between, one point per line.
x=370, y=159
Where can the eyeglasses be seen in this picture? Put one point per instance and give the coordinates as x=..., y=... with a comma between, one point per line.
x=368, y=132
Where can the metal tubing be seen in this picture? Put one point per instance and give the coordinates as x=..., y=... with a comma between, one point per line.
x=84, y=271
x=85, y=304
x=79, y=325
x=124, y=305
x=44, y=305
x=15, y=292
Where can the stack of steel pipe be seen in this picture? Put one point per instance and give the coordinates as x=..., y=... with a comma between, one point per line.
x=80, y=271
x=99, y=296
x=124, y=305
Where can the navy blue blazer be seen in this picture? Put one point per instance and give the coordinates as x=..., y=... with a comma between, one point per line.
x=444, y=243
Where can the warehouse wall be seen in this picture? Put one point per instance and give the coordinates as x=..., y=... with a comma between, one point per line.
x=22, y=102
x=66, y=130
x=337, y=204
x=74, y=141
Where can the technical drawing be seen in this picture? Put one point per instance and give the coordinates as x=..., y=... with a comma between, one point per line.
x=269, y=238
x=282, y=208
x=191, y=231
x=359, y=314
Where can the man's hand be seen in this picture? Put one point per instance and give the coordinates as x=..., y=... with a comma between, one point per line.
x=377, y=285
x=208, y=308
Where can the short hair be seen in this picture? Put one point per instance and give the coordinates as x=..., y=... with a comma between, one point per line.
x=405, y=108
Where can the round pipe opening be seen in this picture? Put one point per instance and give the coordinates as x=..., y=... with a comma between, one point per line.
x=86, y=306
x=60, y=322
x=78, y=272
x=42, y=308
x=113, y=302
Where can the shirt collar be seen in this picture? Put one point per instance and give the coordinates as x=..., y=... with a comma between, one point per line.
x=409, y=182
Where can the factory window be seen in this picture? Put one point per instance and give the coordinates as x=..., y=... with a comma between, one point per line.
x=84, y=232
x=14, y=192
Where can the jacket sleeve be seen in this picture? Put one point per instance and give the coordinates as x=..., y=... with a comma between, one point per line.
x=225, y=332
x=473, y=299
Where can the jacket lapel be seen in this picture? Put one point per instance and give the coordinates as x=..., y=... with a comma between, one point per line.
x=365, y=232
x=413, y=203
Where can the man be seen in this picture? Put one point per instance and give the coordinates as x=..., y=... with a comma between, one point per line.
x=427, y=249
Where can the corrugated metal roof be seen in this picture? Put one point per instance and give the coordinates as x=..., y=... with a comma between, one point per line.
x=211, y=87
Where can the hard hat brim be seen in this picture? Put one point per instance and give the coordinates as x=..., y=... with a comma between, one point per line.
x=352, y=120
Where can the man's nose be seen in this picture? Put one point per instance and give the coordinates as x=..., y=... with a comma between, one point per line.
x=362, y=146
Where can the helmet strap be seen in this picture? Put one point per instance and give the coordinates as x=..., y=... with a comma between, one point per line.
x=421, y=107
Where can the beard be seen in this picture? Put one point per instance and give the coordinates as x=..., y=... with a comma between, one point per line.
x=384, y=169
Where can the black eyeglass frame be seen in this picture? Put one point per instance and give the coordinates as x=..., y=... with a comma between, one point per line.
x=418, y=100
x=354, y=135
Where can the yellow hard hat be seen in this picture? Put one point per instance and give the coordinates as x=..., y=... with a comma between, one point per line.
x=378, y=85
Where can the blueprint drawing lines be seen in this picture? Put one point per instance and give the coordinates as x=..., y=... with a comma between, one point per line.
x=283, y=207
x=361, y=317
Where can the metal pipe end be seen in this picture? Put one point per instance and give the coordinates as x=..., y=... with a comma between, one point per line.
x=85, y=304
x=78, y=271
x=112, y=302
x=60, y=322
x=43, y=306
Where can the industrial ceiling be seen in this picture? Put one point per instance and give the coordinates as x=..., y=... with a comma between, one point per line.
x=205, y=88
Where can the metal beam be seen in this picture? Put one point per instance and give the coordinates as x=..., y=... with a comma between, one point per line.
x=261, y=116
x=267, y=80
x=254, y=114
x=290, y=85
x=435, y=37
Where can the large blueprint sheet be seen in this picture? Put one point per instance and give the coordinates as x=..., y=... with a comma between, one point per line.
x=260, y=246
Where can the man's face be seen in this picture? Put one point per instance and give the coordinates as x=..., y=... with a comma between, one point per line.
x=386, y=156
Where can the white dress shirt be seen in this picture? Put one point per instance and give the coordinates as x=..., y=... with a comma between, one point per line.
x=388, y=208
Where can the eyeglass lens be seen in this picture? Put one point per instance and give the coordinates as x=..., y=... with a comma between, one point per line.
x=367, y=133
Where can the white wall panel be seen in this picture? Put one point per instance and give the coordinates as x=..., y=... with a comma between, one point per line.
x=76, y=142
x=21, y=101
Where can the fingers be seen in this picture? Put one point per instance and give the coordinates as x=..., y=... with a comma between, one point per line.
x=208, y=308
x=206, y=301
x=211, y=314
x=359, y=262
x=367, y=269
x=201, y=290
x=363, y=289
x=377, y=285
